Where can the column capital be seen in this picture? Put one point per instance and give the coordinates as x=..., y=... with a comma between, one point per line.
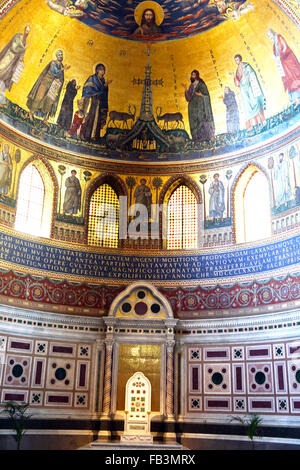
x=99, y=344
x=170, y=343
x=179, y=346
x=109, y=342
x=110, y=321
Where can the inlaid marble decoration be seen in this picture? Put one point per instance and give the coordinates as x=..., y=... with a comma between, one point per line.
x=51, y=374
x=259, y=378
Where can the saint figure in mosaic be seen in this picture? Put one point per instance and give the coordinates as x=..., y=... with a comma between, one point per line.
x=287, y=65
x=45, y=93
x=12, y=60
x=6, y=167
x=200, y=113
x=72, y=201
x=216, y=202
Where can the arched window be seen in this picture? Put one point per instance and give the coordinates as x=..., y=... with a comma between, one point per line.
x=252, y=206
x=182, y=220
x=31, y=216
x=103, y=228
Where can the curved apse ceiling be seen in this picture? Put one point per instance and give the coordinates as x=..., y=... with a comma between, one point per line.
x=173, y=19
x=145, y=114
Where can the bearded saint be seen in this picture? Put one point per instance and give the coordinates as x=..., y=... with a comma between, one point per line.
x=12, y=59
x=200, y=113
x=45, y=93
x=148, y=24
x=287, y=64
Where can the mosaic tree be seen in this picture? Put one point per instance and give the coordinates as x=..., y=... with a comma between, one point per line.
x=157, y=184
x=271, y=168
x=62, y=171
x=228, y=177
x=131, y=182
x=203, y=179
x=292, y=155
x=87, y=176
x=17, y=158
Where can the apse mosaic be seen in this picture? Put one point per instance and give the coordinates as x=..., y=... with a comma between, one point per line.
x=157, y=21
x=220, y=96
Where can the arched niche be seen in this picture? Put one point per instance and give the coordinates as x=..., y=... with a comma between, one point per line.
x=117, y=185
x=141, y=301
x=49, y=180
x=169, y=188
x=251, y=197
x=136, y=339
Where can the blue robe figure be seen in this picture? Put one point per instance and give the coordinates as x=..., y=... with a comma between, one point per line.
x=95, y=94
x=216, y=202
x=232, y=111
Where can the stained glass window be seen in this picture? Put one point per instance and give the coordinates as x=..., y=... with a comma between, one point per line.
x=30, y=202
x=182, y=220
x=104, y=218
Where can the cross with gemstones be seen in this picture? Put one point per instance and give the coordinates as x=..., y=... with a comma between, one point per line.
x=141, y=81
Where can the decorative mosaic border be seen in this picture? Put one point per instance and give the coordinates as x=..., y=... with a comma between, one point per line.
x=7, y=5
x=204, y=164
x=290, y=8
x=209, y=331
x=83, y=299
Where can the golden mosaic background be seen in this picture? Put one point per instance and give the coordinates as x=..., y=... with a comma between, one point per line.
x=143, y=358
x=211, y=52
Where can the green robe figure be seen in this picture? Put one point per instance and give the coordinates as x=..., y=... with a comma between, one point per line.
x=201, y=118
x=44, y=95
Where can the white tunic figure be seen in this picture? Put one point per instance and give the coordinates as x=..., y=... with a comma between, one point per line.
x=283, y=191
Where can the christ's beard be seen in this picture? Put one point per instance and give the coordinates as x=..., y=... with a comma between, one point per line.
x=192, y=79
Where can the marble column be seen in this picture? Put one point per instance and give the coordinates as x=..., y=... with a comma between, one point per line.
x=170, y=379
x=178, y=373
x=107, y=385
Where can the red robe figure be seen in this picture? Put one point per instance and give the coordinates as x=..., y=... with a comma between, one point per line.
x=287, y=64
x=77, y=120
